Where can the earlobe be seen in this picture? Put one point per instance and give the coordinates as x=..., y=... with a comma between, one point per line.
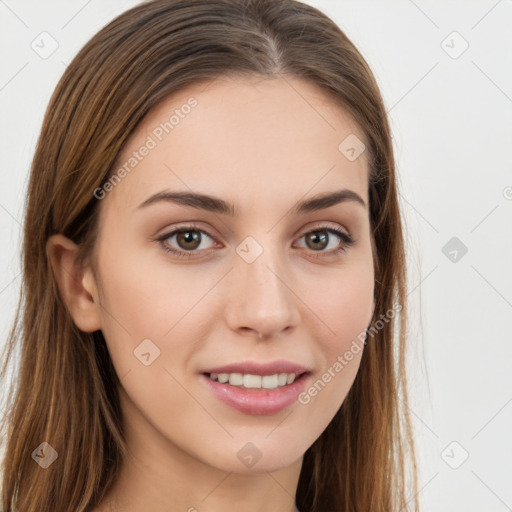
x=76, y=285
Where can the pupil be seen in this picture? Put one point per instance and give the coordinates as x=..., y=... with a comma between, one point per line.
x=190, y=237
x=319, y=238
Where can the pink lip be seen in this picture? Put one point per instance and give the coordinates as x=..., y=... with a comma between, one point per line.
x=257, y=401
x=255, y=368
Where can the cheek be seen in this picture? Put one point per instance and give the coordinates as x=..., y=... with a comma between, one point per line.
x=344, y=306
x=147, y=300
x=343, y=302
x=130, y=304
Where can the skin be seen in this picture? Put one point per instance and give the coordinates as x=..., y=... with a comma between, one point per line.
x=262, y=145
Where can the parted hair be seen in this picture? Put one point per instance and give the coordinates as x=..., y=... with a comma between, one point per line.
x=65, y=387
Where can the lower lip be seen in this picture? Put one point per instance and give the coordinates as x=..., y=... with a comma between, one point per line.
x=258, y=401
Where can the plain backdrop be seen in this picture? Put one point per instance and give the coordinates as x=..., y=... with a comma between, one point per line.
x=445, y=73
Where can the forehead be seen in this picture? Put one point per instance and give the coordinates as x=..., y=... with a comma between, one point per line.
x=242, y=139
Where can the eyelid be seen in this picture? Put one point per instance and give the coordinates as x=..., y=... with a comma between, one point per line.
x=187, y=226
x=193, y=225
x=319, y=225
x=341, y=232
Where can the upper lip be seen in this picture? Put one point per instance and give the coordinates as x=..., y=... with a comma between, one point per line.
x=255, y=368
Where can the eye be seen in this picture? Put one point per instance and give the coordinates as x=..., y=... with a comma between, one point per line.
x=319, y=238
x=190, y=238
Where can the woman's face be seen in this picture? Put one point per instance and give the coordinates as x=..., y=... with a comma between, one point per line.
x=262, y=285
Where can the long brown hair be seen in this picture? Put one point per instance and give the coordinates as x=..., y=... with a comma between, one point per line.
x=65, y=392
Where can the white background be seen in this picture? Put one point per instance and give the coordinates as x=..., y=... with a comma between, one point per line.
x=452, y=129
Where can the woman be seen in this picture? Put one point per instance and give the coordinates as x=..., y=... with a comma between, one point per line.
x=213, y=272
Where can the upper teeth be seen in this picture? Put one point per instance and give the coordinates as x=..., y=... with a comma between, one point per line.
x=255, y=381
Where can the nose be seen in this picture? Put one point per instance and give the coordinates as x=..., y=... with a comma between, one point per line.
x=261, y=298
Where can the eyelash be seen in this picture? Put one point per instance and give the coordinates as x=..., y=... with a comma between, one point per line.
x=347, y=240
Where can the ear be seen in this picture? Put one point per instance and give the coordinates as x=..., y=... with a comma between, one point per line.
x=77, y=286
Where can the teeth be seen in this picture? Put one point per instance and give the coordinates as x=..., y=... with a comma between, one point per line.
x=254, y=381
x=250, y=381
x=236, y=379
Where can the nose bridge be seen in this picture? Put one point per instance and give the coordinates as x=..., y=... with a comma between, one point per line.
x=261, y=296
x=261, y=265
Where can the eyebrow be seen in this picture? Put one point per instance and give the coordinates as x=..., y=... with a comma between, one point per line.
x=217, y=205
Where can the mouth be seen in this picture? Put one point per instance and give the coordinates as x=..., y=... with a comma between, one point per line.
x=257, y=394
x=256, y=382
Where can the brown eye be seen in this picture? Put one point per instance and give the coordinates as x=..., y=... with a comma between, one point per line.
x=188, y=240
x=316, y=241
x=319, y=239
